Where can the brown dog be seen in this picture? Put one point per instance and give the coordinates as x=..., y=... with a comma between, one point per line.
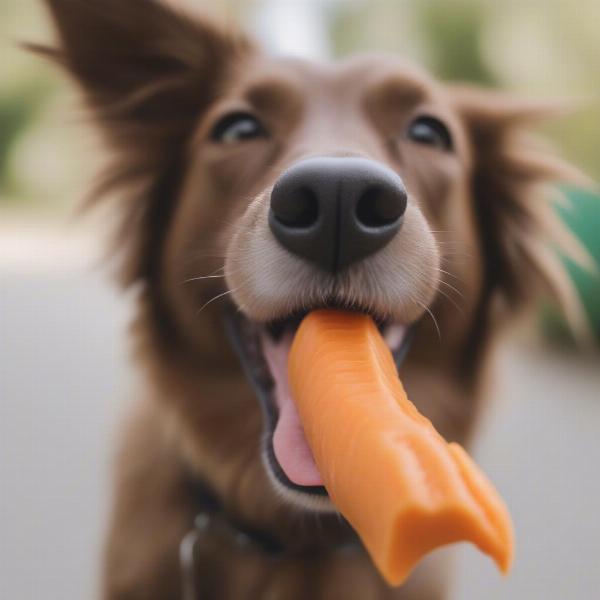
x=251, y=190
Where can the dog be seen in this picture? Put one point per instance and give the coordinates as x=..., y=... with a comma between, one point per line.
x=252, y=189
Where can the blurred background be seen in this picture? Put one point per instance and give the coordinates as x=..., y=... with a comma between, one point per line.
x=64, y=371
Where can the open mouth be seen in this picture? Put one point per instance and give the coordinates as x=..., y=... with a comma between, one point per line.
x=263, y=350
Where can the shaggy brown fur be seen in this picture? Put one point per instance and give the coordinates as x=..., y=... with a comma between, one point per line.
x=157, y=81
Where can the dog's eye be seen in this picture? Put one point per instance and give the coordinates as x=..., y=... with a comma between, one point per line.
x=237, y=127
x=430, y=131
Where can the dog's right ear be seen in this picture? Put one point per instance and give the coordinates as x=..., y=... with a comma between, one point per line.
x=147, y=72
x=139, y=60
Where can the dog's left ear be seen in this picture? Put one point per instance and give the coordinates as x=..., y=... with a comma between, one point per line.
x=513, y=181
x=147, y=72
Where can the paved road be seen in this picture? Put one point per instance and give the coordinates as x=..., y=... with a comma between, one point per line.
x=64, y=376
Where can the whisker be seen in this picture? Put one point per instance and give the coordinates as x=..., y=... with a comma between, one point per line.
x=450, y=274
x=452, y=301
x=213, y=299
x=455, y=290
x=203, y=277
x=437, y=327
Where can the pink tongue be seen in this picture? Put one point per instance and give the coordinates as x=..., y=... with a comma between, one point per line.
x=289, y=443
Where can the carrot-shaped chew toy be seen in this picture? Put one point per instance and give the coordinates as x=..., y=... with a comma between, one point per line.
x=388, y=471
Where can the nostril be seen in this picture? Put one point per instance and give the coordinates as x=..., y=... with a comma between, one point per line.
x=378, y=206
x=300, y=210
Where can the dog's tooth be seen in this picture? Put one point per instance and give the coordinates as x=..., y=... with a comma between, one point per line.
x=393, y=335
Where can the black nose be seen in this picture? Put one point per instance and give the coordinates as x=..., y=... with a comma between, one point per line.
x=336, y=211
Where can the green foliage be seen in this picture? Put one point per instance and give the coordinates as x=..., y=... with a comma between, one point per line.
x=582, y=215
x=584, y=219
x=454, y=39
x=18, y=107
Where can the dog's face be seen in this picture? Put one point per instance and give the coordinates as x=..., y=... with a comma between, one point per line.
x=278, y=116
x=268, y=187
x=296, y=166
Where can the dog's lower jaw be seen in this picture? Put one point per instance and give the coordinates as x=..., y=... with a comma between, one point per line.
x=214, y=420
x=301, y=501
x=222, y=448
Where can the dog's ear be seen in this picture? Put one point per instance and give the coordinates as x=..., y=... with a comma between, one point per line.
x=514, y=180
x=147, y=72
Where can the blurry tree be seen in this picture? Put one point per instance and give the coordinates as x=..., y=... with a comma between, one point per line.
x=454, y=39
x=18, y=107
x=25, y=87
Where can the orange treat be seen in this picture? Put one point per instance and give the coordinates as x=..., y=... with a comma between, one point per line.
x=388, y=471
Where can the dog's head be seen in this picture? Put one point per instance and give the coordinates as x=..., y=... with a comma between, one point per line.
x=266, y=187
